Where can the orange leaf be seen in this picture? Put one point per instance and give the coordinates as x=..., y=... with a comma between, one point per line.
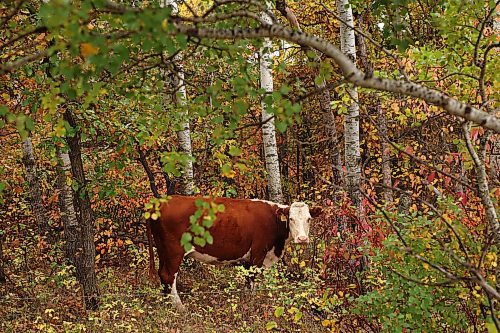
x=87, y=50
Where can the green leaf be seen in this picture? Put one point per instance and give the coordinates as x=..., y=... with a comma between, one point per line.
x=186, y=238
x=3, y=110
x=234, y=151
x=208, y=237
x=281, y=126
x=30, y=124
x=278, y=312
x=221, y=208
x=200, y=241
x=271, y=325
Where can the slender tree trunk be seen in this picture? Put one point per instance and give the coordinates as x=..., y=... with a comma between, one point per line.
x=149, y=173
x=184, y=135
x=351, y=122
x=385, y=151
x=35, y=188
x=382, y=120
x=484, y=192
x=85, y=255
x=331, y=132
x=3, y=277
x=67, y=207
x=268, y=128
x=495, y=161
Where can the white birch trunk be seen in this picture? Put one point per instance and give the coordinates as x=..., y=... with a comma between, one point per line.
x=68, y=211
x=351, y=122
x=184, y=135
x=268, y=129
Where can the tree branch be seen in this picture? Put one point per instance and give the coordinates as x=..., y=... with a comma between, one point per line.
x=349, y=69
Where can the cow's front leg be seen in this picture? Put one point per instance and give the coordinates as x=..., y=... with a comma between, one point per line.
x=168, y=275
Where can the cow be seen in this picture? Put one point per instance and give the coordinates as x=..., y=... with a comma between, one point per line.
x=249, y=231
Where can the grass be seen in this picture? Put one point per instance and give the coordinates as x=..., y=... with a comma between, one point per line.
x=43, y=296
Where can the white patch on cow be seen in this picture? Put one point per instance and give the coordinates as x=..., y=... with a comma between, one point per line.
x=270, y=258
x=176, y=300
x=208, y=259
x=205, y=258
x=299, y=222
x=270, y=203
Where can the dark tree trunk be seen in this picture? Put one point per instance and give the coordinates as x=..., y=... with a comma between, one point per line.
x=67, y=207
x=149, y=173
x=85, y=255
x=386, y=159
x=35, y=188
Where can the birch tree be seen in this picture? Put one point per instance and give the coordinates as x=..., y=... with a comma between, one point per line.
x=351, y=121
x=268, y=128
x=180, y=100
x=67, y=207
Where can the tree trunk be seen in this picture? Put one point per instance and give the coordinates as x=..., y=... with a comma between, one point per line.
x=184, y=135
x=484, y=191
x=268, y=129
x=149, y=173
x=67, y=207
x=3, y=277
x=495, y=161
x=35, y=188
x=351, y=122
x=85, y=255
x=386, y=159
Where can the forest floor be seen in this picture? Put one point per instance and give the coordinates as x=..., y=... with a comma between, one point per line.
x=43, y=296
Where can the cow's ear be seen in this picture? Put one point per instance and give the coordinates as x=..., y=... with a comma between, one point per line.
x=283, y=213
x=315, y=211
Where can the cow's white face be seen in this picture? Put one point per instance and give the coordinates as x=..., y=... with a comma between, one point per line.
x=299, y=222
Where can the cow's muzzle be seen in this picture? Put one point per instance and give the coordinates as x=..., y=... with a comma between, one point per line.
x=302, y=240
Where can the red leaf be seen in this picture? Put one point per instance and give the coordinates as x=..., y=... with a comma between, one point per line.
x=431, y=177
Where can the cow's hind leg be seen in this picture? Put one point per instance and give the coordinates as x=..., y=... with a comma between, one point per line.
x=168, y=276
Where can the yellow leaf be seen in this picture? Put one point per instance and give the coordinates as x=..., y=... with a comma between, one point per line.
x=128, y=242
x=154, y=216
x=302, y=264
x=87, y=50
x=325, y=323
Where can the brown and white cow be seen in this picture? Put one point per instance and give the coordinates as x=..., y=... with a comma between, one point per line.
x=251, y=232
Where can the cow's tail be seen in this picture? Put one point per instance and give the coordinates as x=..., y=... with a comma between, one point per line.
x=152, y=274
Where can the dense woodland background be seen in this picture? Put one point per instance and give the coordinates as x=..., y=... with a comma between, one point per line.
x=389, y=121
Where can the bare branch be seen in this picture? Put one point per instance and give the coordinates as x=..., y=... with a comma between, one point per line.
x=12, y=66
x=349, y=69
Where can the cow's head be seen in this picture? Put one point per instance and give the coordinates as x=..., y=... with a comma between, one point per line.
x=299, y=215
